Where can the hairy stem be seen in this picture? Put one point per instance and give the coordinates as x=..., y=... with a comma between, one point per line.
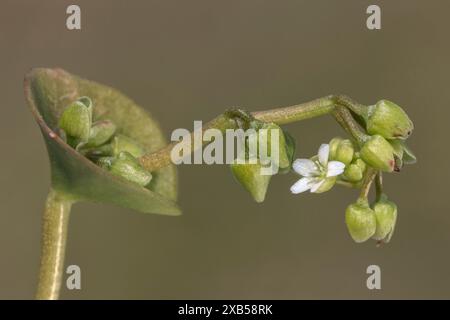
x=54, y=234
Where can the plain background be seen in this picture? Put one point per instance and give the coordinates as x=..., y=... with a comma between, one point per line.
x=190, y=60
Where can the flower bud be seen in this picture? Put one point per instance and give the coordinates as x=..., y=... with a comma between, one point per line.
x=76, y=121
x=249, y=175
x=378, y=153
x=355, y=171
x=386, y=217
x=128, y=167
x=398, y=153
x=402, y=153
x=388, y=120
x=343, y=151
x=290, y=151
x=360, y=220
x=122, y=143
x=101, y=132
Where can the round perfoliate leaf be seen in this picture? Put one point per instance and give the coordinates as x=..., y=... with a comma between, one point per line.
x=48, y=93
x=333, y=145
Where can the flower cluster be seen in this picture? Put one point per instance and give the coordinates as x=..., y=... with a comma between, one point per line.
x=100, y=142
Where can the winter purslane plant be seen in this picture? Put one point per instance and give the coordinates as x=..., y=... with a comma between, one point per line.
x=104, y=148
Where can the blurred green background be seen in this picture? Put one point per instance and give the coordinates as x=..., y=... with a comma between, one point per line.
x=190, y=60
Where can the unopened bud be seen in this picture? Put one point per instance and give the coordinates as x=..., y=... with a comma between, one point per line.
x=123, y=143
x=378, y=153
x=386, y=216
x=101, y=132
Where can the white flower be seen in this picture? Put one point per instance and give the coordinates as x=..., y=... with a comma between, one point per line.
x=316, y=173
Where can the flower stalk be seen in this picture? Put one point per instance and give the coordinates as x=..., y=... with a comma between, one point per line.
x=283, y=115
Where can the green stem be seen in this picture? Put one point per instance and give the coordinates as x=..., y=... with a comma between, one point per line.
x=346, y=120
x=54, y=234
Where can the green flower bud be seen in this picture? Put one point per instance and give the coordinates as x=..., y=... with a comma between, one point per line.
x=386, y=216
x=355, y=171
x=361, y=164
x=105, y=162
x=101, y=132
x=327, y=185
x=344, y=152
x=361, y=221
x=408, y=156
x=378, y=153
x=128, y=167
x=122, y=143
x=333, y=144
x=388, y=120
x=76, y=121
x=249, y=175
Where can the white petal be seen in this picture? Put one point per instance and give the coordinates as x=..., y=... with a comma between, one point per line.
x=317, y=185
x=323, y=154
x=305, y=167
x=335, y=168
x=301, y=185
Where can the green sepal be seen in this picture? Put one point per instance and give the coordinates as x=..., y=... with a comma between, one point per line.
x=76, y=120
x=387, y=119
x=378, y=153
x=360, y=220
x=386, y=216
x=48, y=92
